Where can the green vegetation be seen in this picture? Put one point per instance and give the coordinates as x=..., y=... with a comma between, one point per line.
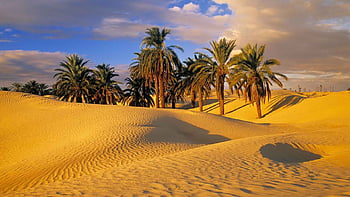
x=78, y=83
x=137, y=93
x=32, y=87
x=254, y=75
x=159, y=62
x=158, y=77
x=74, y=80
x=217, y=66
x=5, y=89
x=106, y=90
x=196, y=80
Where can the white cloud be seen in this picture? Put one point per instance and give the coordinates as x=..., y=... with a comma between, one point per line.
x=120, y=27
x=187, y=8
x=176, y=9
x=212, y=10
x=123, y=72
x=195, y=26
x=191, y=8
x=22, y=66
x=313, y=80
x=55, y=17
x=186, y=23
x=311, y=35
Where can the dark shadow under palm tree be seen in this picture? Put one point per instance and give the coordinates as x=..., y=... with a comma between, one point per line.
x=215, y=106
x=279, y=102
x=238, y=108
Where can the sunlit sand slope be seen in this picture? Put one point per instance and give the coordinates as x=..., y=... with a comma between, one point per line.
x=291, y=107
x=50, y=148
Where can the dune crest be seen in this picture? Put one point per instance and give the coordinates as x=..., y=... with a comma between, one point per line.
x=48, y=147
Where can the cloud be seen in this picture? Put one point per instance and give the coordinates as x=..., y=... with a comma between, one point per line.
x=187, y=8
x=186, y=23
x=306, y=35
x=46, y=17
x=176, y=9
x=22, y=66
x=312, y=36
x=313, y=80
x=110, y=19
x=191, y=8
x=189, y=24
x=120, y=27
x=212, y=9
x=123, y=72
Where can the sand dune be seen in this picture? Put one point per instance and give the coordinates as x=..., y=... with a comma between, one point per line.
x=51, y=148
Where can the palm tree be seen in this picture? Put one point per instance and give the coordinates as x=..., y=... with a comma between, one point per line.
x=186, y=83
x=42, y=89
x=73, y=80
x=140, y=68
x=107, y=90
x=173, y=91
x=218, y=65
x=5, y=89
x=159, y=61
x=31, y=87
x=138, y=94
x=17, y=87
x=255, y=75
x=203, y=82
x=196, y=80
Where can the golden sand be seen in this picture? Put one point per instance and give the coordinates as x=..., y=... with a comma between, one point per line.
x=300, y=148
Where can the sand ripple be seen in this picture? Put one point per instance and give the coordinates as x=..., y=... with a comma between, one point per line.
x=52, y=148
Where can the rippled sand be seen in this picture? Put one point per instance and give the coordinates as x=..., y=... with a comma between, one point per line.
x=51, y=148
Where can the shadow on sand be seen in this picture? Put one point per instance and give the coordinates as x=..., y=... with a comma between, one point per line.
x=237, y=108
x=278, y=102
x=286, y=153
x=205, y=102
x=211, y=108
x=173, y=130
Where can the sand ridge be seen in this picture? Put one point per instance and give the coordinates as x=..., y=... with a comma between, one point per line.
x=50, y=147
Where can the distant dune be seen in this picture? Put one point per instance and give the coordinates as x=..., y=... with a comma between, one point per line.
x=300, y=148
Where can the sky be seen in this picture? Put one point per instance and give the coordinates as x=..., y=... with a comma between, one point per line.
x=311, y=38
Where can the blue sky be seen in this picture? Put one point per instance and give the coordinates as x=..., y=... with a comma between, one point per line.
x=311, y=38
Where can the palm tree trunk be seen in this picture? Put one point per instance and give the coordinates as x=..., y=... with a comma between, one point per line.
x=258, y=107
x=193, y=98
x=200, y=100
x=161, y=92
x=83, y=99
x=221, y=91
x=156, y=82
x=173, y=102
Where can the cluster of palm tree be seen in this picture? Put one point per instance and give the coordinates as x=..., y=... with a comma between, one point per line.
x=32, y=87
x=158, y=77
x=156, y=64
x=158, y=67
x=77, y=83
x=253, y=74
